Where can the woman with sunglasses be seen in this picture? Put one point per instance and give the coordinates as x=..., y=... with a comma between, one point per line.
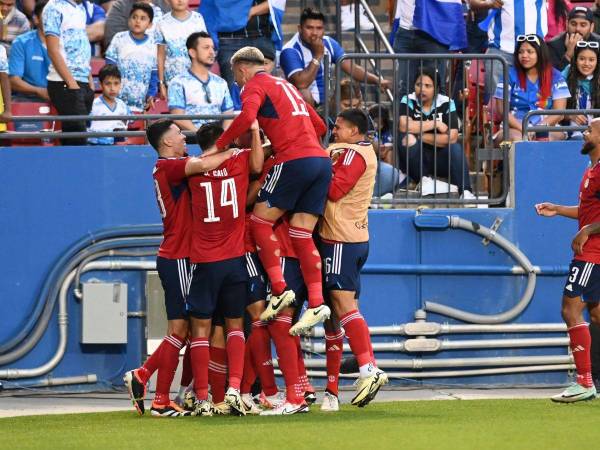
x=582, y=80
x=532, y=84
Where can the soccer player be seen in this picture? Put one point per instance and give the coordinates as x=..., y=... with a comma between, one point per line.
x=173, y=197
x=582, y=287
x=297, y=183
x=344, y=241
x=217, y=251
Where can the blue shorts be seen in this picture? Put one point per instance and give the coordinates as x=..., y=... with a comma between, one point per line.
x=583, y=281
x=175, y=276
x=257, y=279
x=294, y=280
x=299, y=185
x=342, y=263
x=218, y=286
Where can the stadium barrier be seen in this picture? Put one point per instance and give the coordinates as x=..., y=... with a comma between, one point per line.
x=529, y=130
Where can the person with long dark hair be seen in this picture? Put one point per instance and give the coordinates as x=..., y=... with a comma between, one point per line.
x=532, y=84
x=582, y=80
x=558, y=10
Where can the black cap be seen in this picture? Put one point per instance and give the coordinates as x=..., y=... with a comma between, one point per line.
x=581, y=12
x=267, y=52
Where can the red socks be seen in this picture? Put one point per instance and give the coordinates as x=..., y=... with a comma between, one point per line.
x=268, y=249
x=217, y=373
x=249, y=373
x=260, y=347
x=200, y=357
x=169, y=359
x=287, y=354
x=333, y=350
x=236, y=347
x=581, y=342
x=310, y=264
x=357, y=333
x=186, y=369
x=302, y=377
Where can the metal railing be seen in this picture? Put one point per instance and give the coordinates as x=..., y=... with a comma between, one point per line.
x=528, y=128
x=454, y=162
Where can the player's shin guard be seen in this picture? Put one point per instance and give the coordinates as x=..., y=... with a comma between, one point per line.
x=169, y=359
x=287, y=354
x=357, y=332
x=310, y=264
x=236, y=345
x=217, y=373
x=249, y=373
x=333, y=351
x=581, y=340
x=268, y=252
x=199, y=358
x=260, y=346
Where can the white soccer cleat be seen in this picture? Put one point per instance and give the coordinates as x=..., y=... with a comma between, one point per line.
x=277, y=303
x=221, y=409
x=249, y=404
x=235, y=402
x=287, y=409
x=575, y=393
x=330, y=403
x=203, y=408
x=367, y=388
x=273, y=401
x=310, y=318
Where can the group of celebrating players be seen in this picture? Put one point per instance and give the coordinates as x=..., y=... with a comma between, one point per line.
x=238, y=240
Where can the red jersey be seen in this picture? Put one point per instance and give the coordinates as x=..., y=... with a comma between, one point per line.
x=291, y=125
x=249, y=244
x=218, y=202
x=589, y=212
x=173, y=197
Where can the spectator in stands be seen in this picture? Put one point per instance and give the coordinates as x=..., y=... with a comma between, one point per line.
x=348, y=16
x=269, y=68
x=596, y=13
x=580, y=27
x=29, y=62
x=95, y=24
x=415, y=31
x=558, y=14
x=14, y=23
x=197, y=90
x=237, y=27
x=70, y=85
x=118, y=16
x=383, y=138
x=106, y=5
x=477, y=38
x=505, y=20
x=302, y=59
x=108, y=104
x=429, y=123
x=533, y=84
x=584, y=84
x=26, y=7
x=134, y=53
x=5, y=100
x=171, y=34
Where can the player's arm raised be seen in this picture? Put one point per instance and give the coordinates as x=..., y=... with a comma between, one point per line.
x=204, y=164
x=548, y=209
x=583, y=235
x=257, y=154
x=250, y=105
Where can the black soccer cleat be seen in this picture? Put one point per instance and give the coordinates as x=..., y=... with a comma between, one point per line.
x=136, y=390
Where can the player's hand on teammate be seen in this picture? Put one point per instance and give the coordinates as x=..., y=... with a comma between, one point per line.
x=546, y=209
x=579, y=240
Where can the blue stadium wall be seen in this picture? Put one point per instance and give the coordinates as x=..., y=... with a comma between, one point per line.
x=51, y=197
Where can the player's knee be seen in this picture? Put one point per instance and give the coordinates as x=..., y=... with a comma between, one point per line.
x=179, y=328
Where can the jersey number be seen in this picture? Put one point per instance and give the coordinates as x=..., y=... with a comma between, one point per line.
x=228, y=197
x=298, y=105
x=161, y=203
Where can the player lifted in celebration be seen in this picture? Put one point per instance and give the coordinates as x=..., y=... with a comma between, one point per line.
x=217, y=252
x=170, y=184
x=582, y=287
x=344, y=244
x=297, y=183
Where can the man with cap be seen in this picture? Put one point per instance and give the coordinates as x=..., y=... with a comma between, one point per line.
x=580, y=27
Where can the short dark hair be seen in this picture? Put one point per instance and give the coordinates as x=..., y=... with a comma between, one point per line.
x=192, y=39
x=356, y=117
x=208, y=134
x=39, y=8
x=141, y=6
x=109, y=70
x=311, y=14
x=156, y=131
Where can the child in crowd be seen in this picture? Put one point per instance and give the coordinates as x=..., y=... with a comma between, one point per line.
x=582, y=80
x=171, y=34
x=134, y=53
x=158, y=13
x=108, y=104
x=383, y=136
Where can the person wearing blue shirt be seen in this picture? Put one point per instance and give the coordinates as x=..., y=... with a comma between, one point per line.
x=197, y=90
x=302, y=59
x=28, y=62
x=70, y=84
x=532, y=84
x=95, y=21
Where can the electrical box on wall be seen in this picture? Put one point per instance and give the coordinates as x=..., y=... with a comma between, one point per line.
x=104, y=313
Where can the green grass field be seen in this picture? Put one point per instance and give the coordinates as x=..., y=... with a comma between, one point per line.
x=456, y=425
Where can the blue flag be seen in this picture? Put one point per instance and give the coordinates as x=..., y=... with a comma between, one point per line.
x=277, y=9
x=443, y=20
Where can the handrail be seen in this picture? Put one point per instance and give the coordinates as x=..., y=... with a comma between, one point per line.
x=554, y=112
x=377, y=28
